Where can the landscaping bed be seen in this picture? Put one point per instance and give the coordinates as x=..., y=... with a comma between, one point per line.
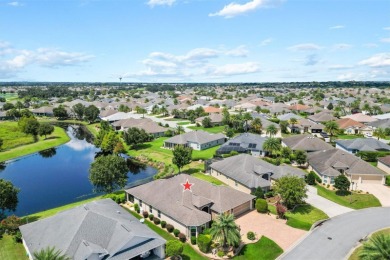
x=355, y=253
x=264, y=249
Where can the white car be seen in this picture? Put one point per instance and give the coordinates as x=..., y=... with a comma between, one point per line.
x=368, y=135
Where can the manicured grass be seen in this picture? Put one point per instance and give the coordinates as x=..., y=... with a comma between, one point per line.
x=204, y=154
x=57, y=138
x=354, y=201
x=12, y=136
x=304, y=216
x=91, y=127
x=208, y=178
x=355, y=254
x=184, y=123
x=188, y=251
x=212, y=130
x=9, y=97
x=9, y=250
x=264, y=249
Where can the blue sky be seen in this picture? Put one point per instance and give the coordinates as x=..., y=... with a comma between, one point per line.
x=194, y=40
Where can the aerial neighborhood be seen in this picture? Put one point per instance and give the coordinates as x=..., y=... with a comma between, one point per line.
x=192, y=171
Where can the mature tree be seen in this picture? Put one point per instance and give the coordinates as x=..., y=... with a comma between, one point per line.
x=50, y=253
x=256, y=126
x=330, y=106
x=380, y=133
x=331, y=127
x=179, y=129
x=342, y=183
x=377, y=110
x=272, y=145
x=119, y=148
x=229, y=131
x=206, y=122
x=283, y=126
x=181, y=156
x=108, y=173
x=259, y=193
x=225, y=230
x=285, y=152
x=300, y=157
x=311, y=178
x=13, y=113
x=376, y=248
x=11, y=223
x=29, y=125
x=258, y=109
x=174, y=248
x=78, y=110
x=8, y=106
x=91, y=113
x=123, y=108
x=60, y=112
x=291, y=189
x=293, y=121
x=246, y=117
x=26, y=113
x=109, y=142
x=135, y=136
x=45, y=129
x=19, y=105
x=271, y=130
x=164, y=111
x=175, y=113
x=8, y=196
x=225, y=116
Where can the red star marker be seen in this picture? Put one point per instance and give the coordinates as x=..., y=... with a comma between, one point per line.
x=187, y=185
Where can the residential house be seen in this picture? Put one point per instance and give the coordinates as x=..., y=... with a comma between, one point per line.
x=305, y=142
x=384, y=164
x=381, y=123
x=97, y=230
x=265, y=123
x=361, y=144
x=248, y=107
x=331, y=163
x=322, y=117
x=306, y=126
x=246, y=173
x=244, y=143
x=298, y=108
x=359, y=117
x=212, y=110
x=288, y=116
x=189, y=211
x=146, y=124
x=43, y=111
x=350, y=126
x=216, y=119
x=107, y=113
x=197, y=140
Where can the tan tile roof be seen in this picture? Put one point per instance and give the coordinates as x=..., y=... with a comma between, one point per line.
x=344, y=123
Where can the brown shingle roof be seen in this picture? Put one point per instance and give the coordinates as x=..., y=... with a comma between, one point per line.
x=344, y=123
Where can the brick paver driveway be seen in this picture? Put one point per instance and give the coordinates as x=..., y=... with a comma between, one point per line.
x=269, y=226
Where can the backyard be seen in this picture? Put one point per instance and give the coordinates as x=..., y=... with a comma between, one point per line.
x=264, y=249
x=212, y=130
x=354, y=200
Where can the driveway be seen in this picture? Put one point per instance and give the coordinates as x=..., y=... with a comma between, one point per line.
x=269, y=226
x=336, y=237
x=329, y=207
x=380, y=191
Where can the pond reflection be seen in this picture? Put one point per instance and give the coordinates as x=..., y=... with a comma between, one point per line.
x=48, y=153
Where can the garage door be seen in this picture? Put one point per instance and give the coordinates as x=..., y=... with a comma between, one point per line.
x=237, y=211
x=376, y=179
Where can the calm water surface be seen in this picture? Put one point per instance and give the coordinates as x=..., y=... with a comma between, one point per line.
x=59, y=176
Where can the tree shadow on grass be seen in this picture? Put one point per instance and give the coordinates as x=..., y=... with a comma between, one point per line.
x=343, y=193
x=142, y=146
x=302, y=209
x=51, y=138
x=191, y=171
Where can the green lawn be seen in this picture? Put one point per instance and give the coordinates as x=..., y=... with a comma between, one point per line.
x=57, y=138
x=304, y=217
x=208, y=178
x=355, y=254
x=12, y=136
x=9, y=250
x=213, y=130
x=184, y=123
x=354, y=201
x=9, y=97
x=264, y=249
x=188, y=252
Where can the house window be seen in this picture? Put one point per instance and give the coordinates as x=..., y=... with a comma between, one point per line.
x=150, y=209
x=252, y=146
x=140, y=203
x=159, y=214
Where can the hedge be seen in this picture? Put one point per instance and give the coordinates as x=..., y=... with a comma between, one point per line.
x=261, y=206
x=204, y=243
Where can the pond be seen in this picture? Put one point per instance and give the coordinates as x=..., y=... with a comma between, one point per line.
x=59, y=176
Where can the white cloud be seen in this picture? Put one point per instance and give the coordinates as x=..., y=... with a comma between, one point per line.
x=386, y=28
x=339, y=67
x=15, y=4
x=342, y=46
x=153, y=3
x=240, y=51
x=235, y=69
x=386, y=40
x=266, y=42
x=377, y=60
x=305, y=47
x=337, y=27
x=234, y=9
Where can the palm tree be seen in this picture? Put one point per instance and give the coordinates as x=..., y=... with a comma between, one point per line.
x=380, y=133
x=256, y=125
x=377, y=247
x=258, y=109
x=293, y=121
x=179, y=129
x=50, y=253
x=332, y=128
x=164, y=110
x=271, y=130
x=225, y=230
x=246, y=117
x=175, y=113
x=272, y=145
x=283, y=126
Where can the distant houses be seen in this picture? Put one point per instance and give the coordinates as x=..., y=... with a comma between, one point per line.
x=244, y=143
x=362, y=144
x=306, y=143
x=197, y=140
x=146, y=124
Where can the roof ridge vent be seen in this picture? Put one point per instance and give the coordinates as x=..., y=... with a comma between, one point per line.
x=85, y=243
x=126, y=228
x=86, y=207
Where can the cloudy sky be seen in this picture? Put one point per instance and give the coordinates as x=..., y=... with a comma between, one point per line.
x=194, y=40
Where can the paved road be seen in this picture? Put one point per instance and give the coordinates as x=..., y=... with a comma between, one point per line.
x=337, y=236
x=329, y=207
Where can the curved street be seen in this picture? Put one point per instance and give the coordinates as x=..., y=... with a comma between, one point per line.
x=336, y=237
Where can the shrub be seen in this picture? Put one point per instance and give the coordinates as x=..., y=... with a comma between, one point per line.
x=261, y=206
x=310, y=178
x=388, y=180
x=11, y=224
x=170, y=228
x=258, y=193
x=136, y=208
x=18, y=237
x=145, y=214
x=204, y=243
x=206, y=231
x=193, y=240
x=250, y=235
x=221, y=254
x=269, y=194
x=182, y=237
x=151, y=216
x=174, y=248
x=166, y=125
x=327, y=185
x=163, y=224
x=280, y=210
x=318, y=178
x=176, y=232
x=156, y=221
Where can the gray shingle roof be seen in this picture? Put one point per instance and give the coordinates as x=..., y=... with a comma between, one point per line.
x=306, y=142
x=167, y=196
x=323, y=116
x=364, y=144
x=200, y=137
x=288, y=116
x=327, y=163
x=249, y=170
x=243, y=140
x=384, y=123
x=97, y=227
x=147, y=124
